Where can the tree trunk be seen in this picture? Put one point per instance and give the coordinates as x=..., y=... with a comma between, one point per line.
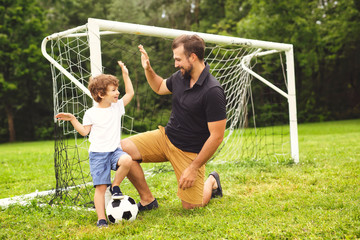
x=11, y=127
x=197, y=12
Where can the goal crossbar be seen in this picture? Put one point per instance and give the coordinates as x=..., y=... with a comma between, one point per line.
x=113, y=27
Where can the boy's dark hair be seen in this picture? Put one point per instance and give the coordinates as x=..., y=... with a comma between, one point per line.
x=98, y=85
x=192, y=44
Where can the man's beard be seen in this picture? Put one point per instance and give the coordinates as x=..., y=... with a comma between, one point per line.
x=187, y=73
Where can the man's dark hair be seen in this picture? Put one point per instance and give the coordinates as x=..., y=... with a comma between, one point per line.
x=192, y=44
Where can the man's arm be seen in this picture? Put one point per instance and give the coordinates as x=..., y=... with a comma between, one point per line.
x=217, y=129
x=83, y=130
x=129, y=90
x=157, y=83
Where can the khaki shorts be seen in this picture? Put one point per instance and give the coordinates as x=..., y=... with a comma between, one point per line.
x=154, y=146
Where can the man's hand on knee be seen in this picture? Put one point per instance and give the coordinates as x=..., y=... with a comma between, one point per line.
x=188, y=178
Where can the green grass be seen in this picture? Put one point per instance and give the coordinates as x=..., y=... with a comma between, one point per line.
x=319, y=198
x=26, y=167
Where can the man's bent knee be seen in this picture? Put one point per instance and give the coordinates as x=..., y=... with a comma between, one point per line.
x=187, y=205
x=130, y=148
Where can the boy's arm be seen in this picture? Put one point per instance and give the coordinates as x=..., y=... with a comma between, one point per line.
x=129, y=90
x=83, y=130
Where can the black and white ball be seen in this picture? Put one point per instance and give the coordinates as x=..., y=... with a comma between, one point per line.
x=125, y=209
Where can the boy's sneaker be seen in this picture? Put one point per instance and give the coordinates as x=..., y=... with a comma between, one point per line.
x=102, y=223
x=116, y=193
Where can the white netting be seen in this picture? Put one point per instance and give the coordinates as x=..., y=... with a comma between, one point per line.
x=245, y=137
x=225, y=65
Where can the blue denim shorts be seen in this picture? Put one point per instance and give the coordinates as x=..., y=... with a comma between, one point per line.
x=101, y=164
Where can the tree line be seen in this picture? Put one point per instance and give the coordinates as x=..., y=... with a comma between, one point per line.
x=325, y=35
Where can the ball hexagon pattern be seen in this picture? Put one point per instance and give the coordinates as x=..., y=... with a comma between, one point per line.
x=125, y=209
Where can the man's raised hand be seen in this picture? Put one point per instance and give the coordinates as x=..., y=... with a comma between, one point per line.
x=144, y=58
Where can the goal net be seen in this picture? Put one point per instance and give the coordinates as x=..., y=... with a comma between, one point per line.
x=261, y=113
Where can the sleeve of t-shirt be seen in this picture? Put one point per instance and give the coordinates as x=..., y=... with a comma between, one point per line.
x=87, y=118
x=121, y=106
x=169, y=82
x=215, y=104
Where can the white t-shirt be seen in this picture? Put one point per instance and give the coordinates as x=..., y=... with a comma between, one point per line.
x=105, y=131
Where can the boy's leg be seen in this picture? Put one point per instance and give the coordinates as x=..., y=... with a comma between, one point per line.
x=100, y=172
x=124, y=164
x=120, y=163
x=99, y=200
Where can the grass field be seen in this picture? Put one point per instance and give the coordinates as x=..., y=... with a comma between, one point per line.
x=319, y=198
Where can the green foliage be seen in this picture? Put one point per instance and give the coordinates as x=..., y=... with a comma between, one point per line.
x=21, y=67
x=315, y=199
x=65, y=14
x=324, y=36
x=339, y=53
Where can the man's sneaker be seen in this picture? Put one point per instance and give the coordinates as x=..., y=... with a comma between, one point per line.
x=153, y=205
x=218, y=191
x=116, y=193
x=102, y=223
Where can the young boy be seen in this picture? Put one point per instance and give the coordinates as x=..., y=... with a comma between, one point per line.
x=103, y=122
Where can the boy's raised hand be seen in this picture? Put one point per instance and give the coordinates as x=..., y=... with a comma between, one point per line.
x=123, y=68
x=129, y=90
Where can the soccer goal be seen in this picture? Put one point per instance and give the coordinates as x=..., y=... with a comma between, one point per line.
x=257, y=76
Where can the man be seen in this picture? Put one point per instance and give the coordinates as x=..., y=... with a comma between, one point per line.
x=193, y=133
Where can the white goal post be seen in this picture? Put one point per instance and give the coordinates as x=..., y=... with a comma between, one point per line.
x=98, y=27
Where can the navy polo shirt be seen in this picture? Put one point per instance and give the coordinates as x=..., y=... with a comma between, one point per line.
x=193, y=108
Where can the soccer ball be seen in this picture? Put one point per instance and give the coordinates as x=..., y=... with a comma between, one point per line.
x=124, y=209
